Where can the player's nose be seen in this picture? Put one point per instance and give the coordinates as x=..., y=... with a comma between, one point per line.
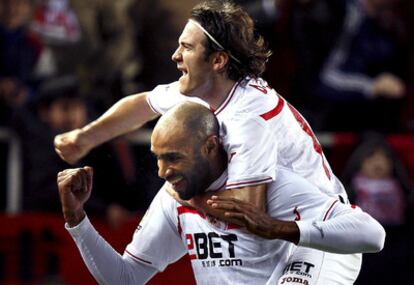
x=164, y=170
x=176, y=56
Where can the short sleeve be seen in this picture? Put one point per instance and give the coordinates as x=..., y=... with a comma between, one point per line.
x=252, y=152
x=164, y=97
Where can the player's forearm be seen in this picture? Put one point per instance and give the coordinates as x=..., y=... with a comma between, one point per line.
x=284, y=230
x=254, y=195
x=126, y=115
x=105, y=264
x=351, y=232
x=73, y=218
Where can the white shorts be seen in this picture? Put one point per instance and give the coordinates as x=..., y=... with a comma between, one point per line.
x=314, y=267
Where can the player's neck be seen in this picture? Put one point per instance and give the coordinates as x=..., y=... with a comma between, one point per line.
x=219, y=164
x=218, y=171
x=218, y=92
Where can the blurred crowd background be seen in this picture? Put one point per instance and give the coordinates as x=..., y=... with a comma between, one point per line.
x=346, y=65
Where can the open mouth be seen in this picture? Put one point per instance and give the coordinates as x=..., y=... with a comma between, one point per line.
x=183, y=71
x=177, y=183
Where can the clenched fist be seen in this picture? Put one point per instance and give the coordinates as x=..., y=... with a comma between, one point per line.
x=71, y=147
x=75, y=186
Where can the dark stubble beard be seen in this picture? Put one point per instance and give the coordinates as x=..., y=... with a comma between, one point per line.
x=198, y=179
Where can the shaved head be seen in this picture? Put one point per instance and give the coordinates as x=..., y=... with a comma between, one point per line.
x=189, y=119
x=186, y=144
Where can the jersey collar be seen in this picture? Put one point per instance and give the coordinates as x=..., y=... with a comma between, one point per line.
x=219, y=183
x=228, y=99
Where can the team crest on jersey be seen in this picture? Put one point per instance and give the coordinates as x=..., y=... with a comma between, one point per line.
x=142, y=222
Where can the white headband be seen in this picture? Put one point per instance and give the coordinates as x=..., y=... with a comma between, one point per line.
x=213, y=39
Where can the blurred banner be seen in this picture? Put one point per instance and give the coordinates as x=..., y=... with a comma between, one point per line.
x=36, y=249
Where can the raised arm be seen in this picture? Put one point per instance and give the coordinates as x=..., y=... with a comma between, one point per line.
x=126, y=115
x=105, y=264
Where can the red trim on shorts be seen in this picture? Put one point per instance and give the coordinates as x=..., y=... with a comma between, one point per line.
x=137, y=258
x=330, y=208
x=275, y=111
x=249, y=182
x=226, y=102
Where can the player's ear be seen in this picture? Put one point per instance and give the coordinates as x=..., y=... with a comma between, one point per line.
x=220, y=60
x=211, y=145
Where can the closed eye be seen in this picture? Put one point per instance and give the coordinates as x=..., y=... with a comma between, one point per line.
x=186, y=45
x=169, y=157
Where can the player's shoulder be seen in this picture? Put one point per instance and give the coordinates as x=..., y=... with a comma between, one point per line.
x=256, y=96
x=164, y=201
x=167, y=88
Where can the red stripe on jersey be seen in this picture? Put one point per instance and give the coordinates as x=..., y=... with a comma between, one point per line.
x=249, y=182
x=328, y=174
x=275, y=111
x=187, y=210
x=137, y=258
x=231, y=226
x=226, y=102
x=330, y=208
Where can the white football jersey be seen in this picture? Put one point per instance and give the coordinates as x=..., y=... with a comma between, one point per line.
x=261, y=132
x=222, y=253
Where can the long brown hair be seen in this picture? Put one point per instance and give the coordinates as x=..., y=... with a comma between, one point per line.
x=234, y=29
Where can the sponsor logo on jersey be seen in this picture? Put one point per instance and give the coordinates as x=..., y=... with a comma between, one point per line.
x=315, y=224
x=212, y=249
x=301, y=268
x=290, y=280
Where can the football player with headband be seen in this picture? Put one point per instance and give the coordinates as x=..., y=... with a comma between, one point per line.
x=221, y=60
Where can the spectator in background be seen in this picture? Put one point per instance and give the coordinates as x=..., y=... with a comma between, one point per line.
x=314, y=27
x=57, y=106
x=57, y=25
x=60, y=107
x=56, y=22
x=378, y=183
x=20, y=51
x=362, y=80
x=158, y=24
x=110, y=60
